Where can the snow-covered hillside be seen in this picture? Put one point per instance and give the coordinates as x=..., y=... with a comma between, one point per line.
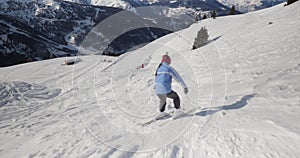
x=244, y=98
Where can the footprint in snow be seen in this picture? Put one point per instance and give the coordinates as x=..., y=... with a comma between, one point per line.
x=22, y=92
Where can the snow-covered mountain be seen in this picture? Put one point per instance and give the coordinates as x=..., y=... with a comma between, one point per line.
x=129, y=4
x=176, y=14
x=34, y=30
x=250, y=5
x=177, y=8
x=42, y=29
x=241, y=5
x=243, y=100
x=124, y=4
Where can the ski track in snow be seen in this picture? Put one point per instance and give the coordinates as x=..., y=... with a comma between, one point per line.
x=92, y=108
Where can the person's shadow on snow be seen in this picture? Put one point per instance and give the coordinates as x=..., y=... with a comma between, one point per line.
x=237, y=105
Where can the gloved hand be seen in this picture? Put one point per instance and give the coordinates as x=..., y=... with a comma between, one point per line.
x=186, y=90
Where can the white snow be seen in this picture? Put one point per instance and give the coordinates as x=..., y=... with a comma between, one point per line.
x=244, y=92
x=152, y=1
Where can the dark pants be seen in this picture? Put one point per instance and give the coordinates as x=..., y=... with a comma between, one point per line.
x=163, y=97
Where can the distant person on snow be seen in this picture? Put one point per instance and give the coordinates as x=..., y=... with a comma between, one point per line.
x=163, y=88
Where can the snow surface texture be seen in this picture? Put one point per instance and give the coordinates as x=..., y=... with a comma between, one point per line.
x=17, y=91
x=244, y=89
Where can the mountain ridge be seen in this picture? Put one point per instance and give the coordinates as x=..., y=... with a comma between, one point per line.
x=43, y=29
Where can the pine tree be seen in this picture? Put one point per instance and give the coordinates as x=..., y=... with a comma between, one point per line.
x=51, y=56
x=213, y=14
x=201, y=39
x=291, y=1
x=197, y=16
x=232, y=10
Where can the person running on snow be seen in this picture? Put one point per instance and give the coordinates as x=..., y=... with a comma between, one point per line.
x=163, y=88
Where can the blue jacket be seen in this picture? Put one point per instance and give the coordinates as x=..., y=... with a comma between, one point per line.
x=163, y=79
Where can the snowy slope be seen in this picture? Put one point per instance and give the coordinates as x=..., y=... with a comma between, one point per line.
x=244, y=92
